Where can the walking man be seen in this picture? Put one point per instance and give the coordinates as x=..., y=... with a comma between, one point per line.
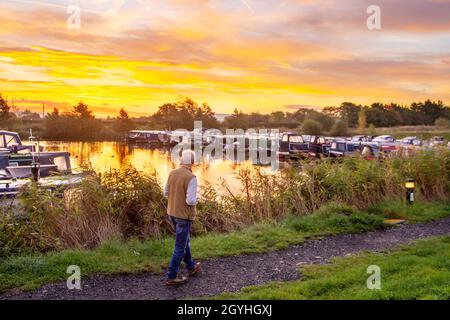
x=181, y=190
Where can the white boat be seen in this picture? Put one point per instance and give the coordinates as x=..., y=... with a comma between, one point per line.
x=20, y=164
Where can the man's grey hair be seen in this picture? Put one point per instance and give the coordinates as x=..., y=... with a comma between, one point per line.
x=188, y=157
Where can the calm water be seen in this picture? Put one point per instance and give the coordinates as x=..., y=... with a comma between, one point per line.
x=103, y=156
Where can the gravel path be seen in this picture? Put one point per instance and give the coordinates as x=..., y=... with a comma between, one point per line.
x=232, y=273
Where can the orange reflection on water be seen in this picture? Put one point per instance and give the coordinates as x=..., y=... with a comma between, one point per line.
x=105, y=156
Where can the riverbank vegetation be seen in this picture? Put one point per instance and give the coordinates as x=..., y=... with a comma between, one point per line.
x=127, y=204
x=80, y=123
x=416, y=272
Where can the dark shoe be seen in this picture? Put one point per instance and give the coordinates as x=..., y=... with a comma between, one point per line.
x=195, y=270
x=177, y=281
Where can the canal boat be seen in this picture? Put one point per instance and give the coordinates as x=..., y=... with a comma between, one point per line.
x=20, y=164
x=410, y=141
x=384, y=140
x=292, y=145
x=10, y=142
x=361, y=138
x=343, y=148
x=152, y=137
x=319, y=146
x=437, y=141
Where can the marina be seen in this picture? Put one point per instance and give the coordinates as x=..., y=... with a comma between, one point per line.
x=58, y=164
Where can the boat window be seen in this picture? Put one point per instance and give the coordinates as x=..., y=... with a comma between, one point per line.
x=306, y=138
x=341, y=146
x=8, y=140
x=285, y=138
x=295, y=139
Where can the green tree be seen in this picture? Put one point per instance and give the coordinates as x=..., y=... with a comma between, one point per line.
x=429, y=111
x=325, y=119
x=340, y=128
x=85, y=126
x=207, y=116
x=257, y=119
x=79, y=123
x=362, y=121
x=237, y=120
x=81, y=111
x=277, y=116
x=182, y=114
x=350, y=111
x=123, y=123
x=332, y=111
x=5, y=114
x=372, y=130
x=56, y=126
x=312, y=127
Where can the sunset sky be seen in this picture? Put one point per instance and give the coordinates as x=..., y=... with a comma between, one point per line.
x=256, y=55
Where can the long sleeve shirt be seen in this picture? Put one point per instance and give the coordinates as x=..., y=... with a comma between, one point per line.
x=191, y=194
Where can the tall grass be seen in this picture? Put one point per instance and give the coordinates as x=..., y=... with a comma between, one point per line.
x=118, y=204
x=130, y=204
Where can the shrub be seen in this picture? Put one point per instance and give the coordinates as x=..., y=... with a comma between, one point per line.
x=340, y=128
x=310, y=126
x=372, y=130
x=442, y=122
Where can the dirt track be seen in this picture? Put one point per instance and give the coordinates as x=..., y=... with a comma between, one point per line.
x=233, y=273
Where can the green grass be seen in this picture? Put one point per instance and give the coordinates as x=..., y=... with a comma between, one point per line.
x=29, y=272
x=422, y=132
x=419, y=271
x=419, y=212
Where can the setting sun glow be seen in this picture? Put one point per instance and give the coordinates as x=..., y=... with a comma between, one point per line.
x=252, y=55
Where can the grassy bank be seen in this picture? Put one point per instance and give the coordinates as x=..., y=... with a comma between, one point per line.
x=112, y=257
x=418, y=271
x=422, y=132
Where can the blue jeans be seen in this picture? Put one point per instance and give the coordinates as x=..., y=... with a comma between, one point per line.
x=182, y=250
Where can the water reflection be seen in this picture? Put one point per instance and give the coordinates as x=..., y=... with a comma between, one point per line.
x=104, y=156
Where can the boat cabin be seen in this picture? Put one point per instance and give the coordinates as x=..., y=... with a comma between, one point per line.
x=319, y=146
x=343, y=148
x=145, y=136
x=292, y=144
x=19, y=165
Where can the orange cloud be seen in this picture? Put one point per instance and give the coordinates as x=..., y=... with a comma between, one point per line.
x=145, y=53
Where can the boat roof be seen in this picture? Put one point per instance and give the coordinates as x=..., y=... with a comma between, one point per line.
x=148, y=131
x=4, y=133
x=11, y=133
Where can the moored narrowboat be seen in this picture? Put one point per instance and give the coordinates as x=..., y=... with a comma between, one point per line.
x=152, y=137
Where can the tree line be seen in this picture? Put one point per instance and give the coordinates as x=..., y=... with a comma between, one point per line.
x=80, y=122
